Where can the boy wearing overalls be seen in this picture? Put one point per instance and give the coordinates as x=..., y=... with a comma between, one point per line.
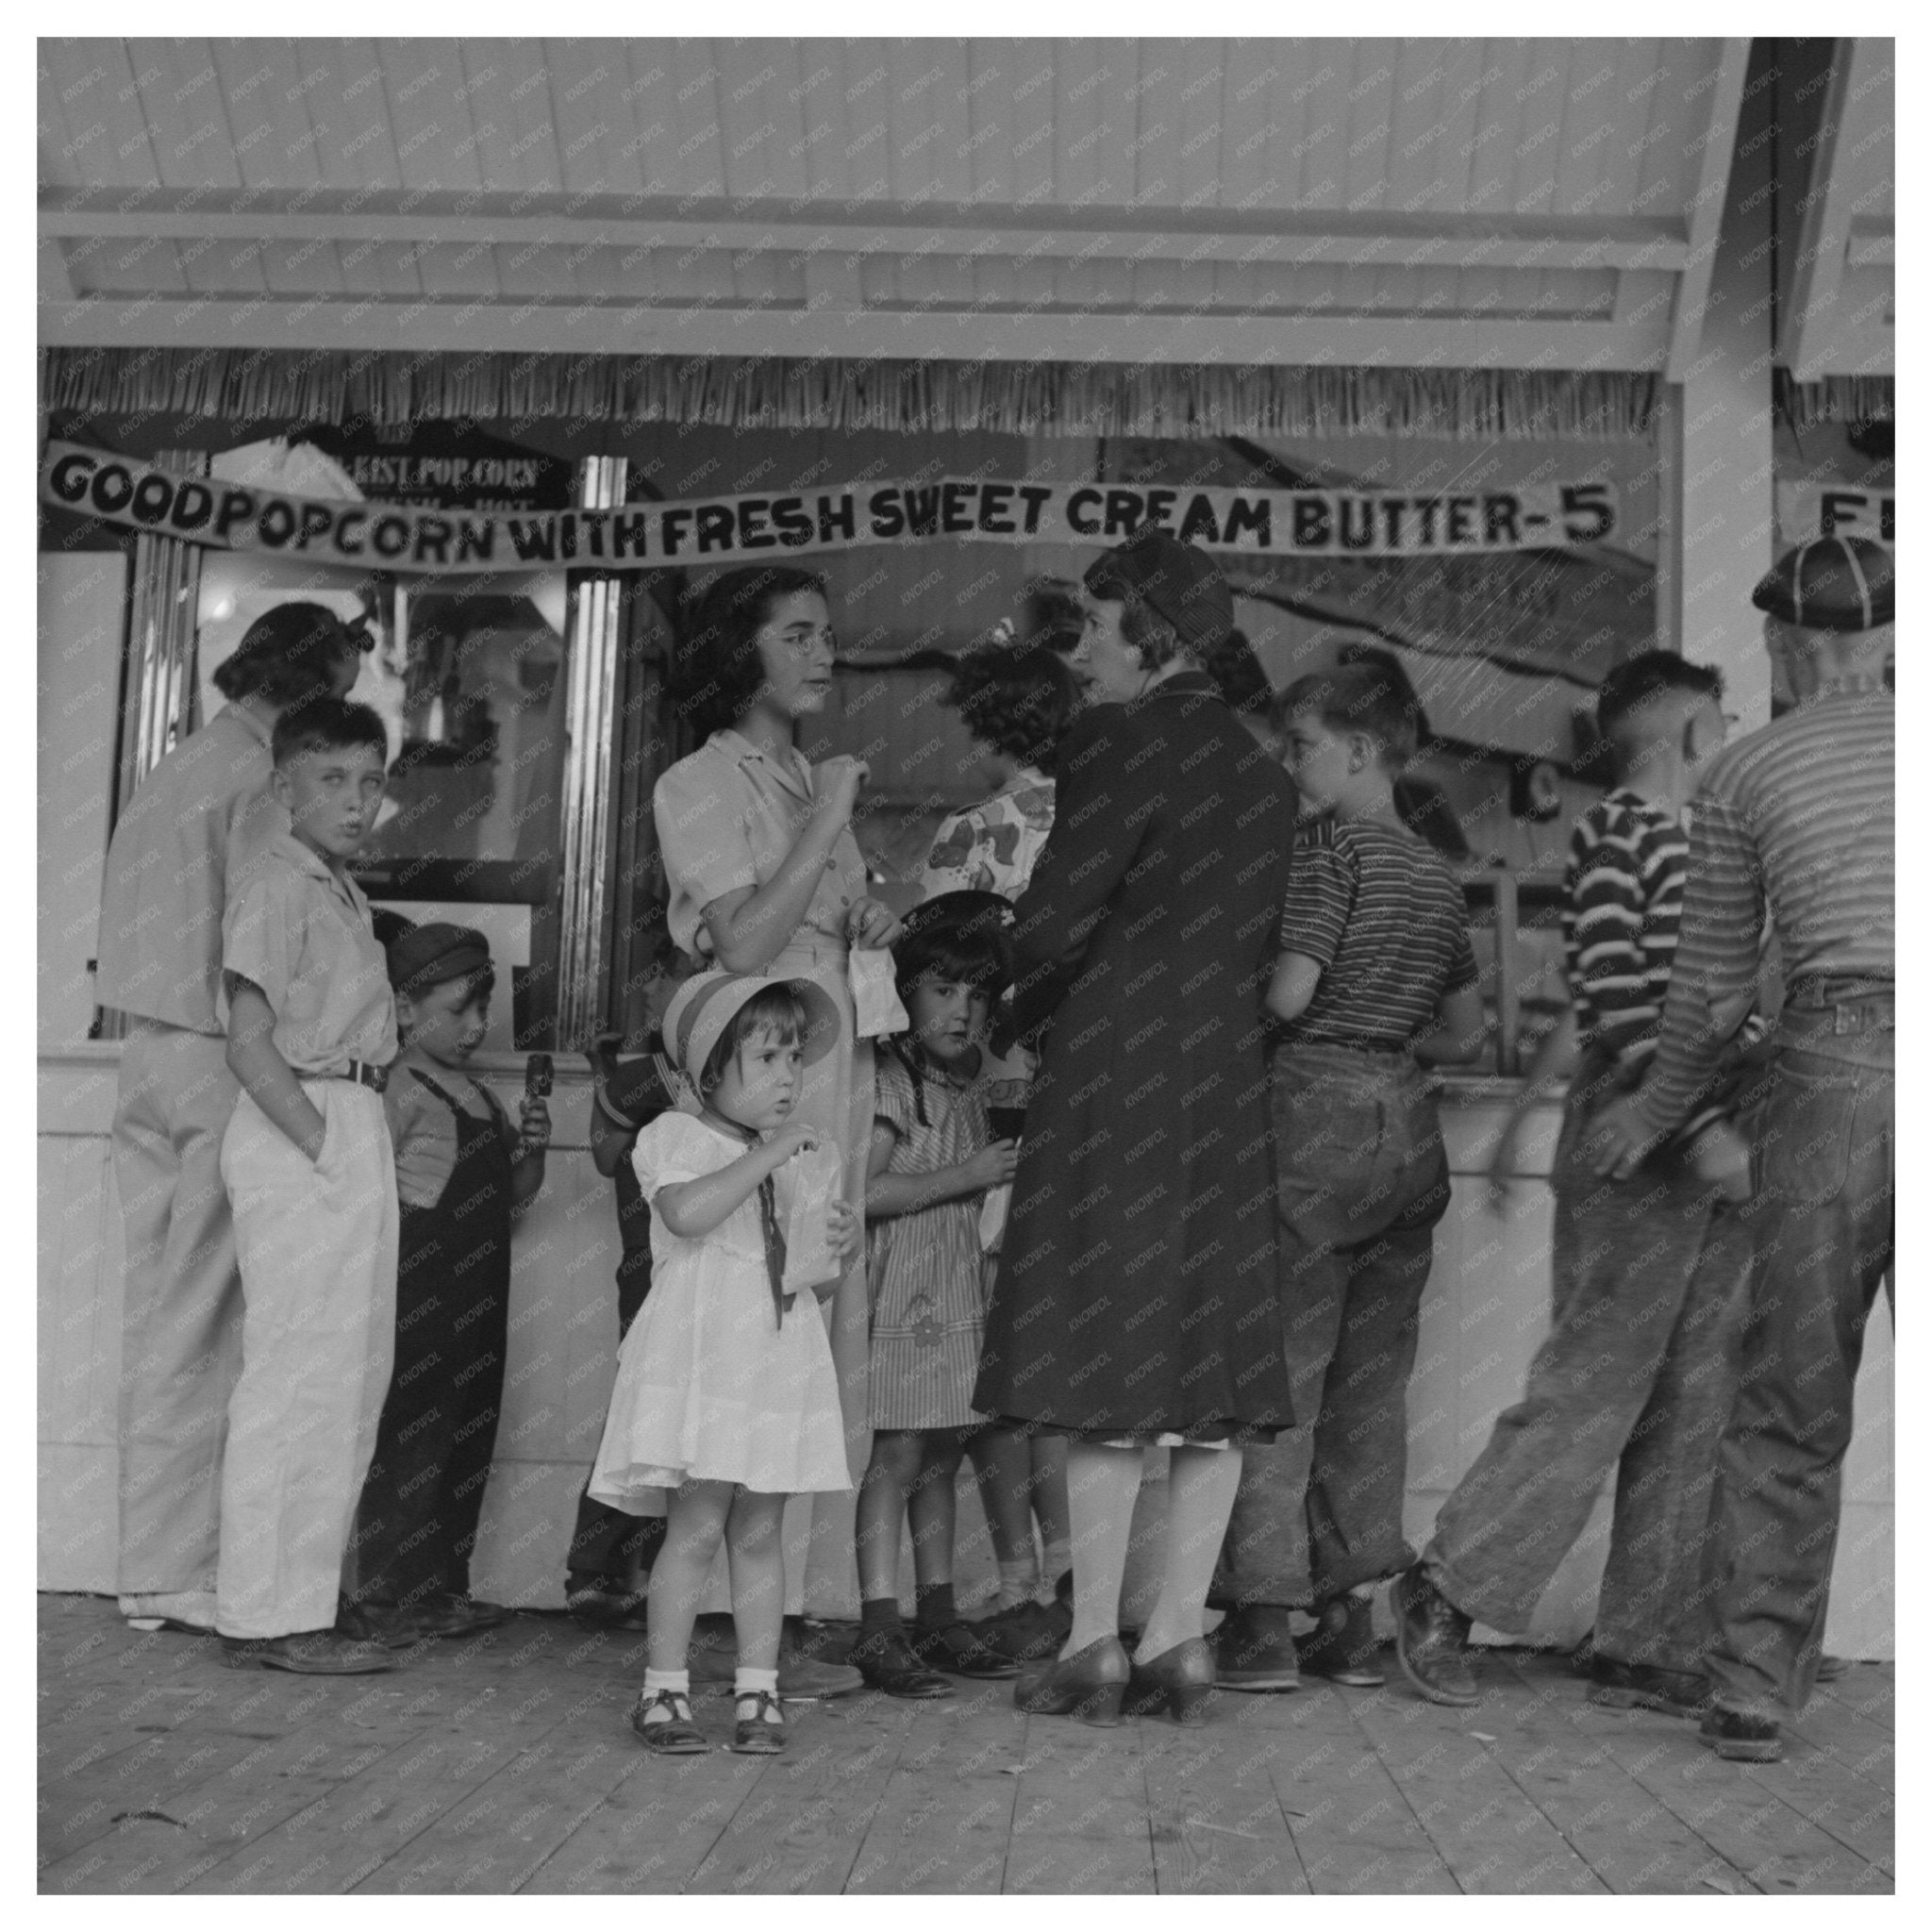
x=463, y=1174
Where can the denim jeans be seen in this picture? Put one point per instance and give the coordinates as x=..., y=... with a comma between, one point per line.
x=1638, y=1374
x=1823, y=1226
x=1362, y=1181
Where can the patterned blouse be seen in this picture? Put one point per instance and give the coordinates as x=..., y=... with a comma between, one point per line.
x=993, y=846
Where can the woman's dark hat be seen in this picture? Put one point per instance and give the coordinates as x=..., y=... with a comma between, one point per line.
x=433, y=954
x=1177, y=580
x=1829, y=583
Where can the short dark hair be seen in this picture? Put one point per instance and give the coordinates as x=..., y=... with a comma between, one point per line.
x=1238, y=673
x=1157, y=642
x=776, y=1007
x=1359, y=697
x=1018, y=698
x=719, y=673
x=1641, y=680
x=288, y=653
x=1379, y=658
x=1051, y=615
x=976, y=954
x=327, y=723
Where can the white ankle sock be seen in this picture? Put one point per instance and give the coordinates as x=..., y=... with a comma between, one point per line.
x=1019, y=1579
x=746, y=1683
x=677, y=1681
x=1060, y=1559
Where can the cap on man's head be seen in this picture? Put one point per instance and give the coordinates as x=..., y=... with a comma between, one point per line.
x=1178, y=581
x=434, y=954
x=1829, y=583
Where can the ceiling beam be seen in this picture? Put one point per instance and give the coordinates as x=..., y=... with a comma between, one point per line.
x=745, y=329
x=1707, y=207
x=1814, y=336
x=813, y=228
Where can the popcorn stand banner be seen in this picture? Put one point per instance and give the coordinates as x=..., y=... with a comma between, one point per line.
x=705, y=531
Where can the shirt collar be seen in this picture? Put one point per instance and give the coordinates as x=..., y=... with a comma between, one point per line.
x=1185, y=684
x=742, y=750
x=310, y=863
x=247, y=720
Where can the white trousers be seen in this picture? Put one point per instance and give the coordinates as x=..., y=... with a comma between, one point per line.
x=180, y=1315
x=317, y=1246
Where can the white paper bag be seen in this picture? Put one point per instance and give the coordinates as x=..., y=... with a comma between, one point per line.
x=876, y=1004
x=806, y=1187
x=992, y=1217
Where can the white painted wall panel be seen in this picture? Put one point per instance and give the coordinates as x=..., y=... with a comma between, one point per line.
x=1484, y=1317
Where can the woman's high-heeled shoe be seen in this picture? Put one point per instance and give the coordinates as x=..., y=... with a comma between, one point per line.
x=1089, y=1685
x=1178, y=1681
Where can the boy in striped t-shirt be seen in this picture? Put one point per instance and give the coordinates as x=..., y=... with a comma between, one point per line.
x=1376, y=971
x=1640, y=1366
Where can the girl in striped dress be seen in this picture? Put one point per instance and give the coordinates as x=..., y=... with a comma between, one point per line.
x=933, y=1159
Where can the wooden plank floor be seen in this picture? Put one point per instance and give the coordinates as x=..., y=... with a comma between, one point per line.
x=505, y=1764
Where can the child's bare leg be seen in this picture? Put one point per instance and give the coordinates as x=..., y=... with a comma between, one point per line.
x=933, y=1507
x=757, y=1576
x=1003, y=1466
x=1050, y=1504
x=698, y=1511
x=882, y=1491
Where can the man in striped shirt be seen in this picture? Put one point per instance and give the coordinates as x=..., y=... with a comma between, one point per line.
x=1796, y=818
x=1639, y=1368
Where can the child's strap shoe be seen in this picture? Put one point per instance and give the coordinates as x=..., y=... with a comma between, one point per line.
x=761, y=1724
x=662, y=1719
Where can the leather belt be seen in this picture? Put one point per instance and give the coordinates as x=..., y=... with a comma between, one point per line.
x=362, y=1072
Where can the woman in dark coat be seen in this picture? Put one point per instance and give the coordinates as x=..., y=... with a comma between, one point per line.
x=1137, y=1299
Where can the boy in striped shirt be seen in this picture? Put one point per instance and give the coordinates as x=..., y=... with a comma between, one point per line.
x=1374, y=972
x=1641, y=1362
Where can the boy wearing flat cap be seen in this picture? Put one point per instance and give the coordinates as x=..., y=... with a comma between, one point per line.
x=463, y=1172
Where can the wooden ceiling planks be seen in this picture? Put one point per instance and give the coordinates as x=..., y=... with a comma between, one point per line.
x=1412, y=141
x=1837, y=289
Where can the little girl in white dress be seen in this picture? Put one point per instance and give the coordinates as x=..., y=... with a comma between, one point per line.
x=725, y=1401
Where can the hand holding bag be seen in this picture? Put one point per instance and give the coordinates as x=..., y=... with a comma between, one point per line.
x=807, y=1185
x=876, y=1007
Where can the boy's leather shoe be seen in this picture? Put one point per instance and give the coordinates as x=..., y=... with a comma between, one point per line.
x=887, y=1664
x=1026, y=1632
x=387, y=1626
x=1432, y=1639
x=956, y=1647
x=1736, y=1735
x=309, y=1653
x=809, y=1680
x=1254, y=1650
x=606, y=1603
x=1343, y=1647
x=1618, y=1686
x=446, y=1614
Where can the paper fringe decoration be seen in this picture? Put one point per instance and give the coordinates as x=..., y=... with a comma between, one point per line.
x=1835, y=399
x=1017, y=398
